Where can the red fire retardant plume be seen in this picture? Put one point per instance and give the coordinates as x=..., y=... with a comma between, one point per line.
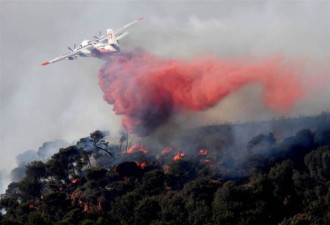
x=147, y=89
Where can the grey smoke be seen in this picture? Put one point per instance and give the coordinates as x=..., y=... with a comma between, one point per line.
x=43, y=153
x=26, y=157
x=50, y=148
x=4, y=180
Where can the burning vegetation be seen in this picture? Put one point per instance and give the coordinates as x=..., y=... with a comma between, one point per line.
x=137, y=148
x=275, y=180
x=178, y=156
x=141, y=165
x=167, y=150
x=202, y=152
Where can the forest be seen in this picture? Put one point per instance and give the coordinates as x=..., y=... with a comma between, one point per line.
x=281, y=176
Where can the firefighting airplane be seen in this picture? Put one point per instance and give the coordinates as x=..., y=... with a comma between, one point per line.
x=102, y=45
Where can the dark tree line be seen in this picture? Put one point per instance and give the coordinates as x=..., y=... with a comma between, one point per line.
x=287, y=183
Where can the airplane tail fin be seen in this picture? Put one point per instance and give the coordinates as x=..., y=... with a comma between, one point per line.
x=111, y=37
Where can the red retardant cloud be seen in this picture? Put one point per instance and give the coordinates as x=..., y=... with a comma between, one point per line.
x=147, y=89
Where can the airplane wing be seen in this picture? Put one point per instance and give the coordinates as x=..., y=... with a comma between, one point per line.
x=65, y=56
x=125, y=27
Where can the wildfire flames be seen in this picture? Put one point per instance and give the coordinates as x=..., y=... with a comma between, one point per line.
x=137, y=148
x=74, y=180
x=166, y=150
x=141, y=165
x=178, y=156
x=79, y=197
x=36, y=203
x=147, y=89
x=202, y=152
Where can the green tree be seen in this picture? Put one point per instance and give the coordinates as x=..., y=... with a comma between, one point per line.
x=227, y=204
x=173, y=209
x=146, y=211
x=199, y=197
x=153, y=183
x=74, y=216
x=123, y=208
x=100, y=144
x=30, y=189
x=36, y=219
x=96, y=179
x=239, y=205
x=295, y=221
x=281, y=177
x=180, y=172
x=13, y=190
x=127, y=169
x=10, y=205
x=65, y=164
x=87, y=222
x=35, y=170
x=318, y=164
x=55, y=205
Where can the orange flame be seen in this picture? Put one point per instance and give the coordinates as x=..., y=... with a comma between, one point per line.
x=202, y=152
x=75, y=180
x=36, y=202
x=166, y=150
x=178, y=156
x=90, y=206
x=141, y=165
x=137, y=148
x=86, y=207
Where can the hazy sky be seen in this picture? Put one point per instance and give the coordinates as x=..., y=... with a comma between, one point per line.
x=64, y=101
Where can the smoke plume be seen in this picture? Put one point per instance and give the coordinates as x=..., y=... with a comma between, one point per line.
x=147, y=89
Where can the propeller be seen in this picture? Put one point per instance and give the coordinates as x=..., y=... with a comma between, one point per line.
x=100, y=35
x=74, y=47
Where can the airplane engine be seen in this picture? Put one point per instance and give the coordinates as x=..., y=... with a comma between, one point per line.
x=85, y=42
x=71, y=58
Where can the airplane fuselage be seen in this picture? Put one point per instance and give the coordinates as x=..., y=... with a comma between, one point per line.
x=97, y=49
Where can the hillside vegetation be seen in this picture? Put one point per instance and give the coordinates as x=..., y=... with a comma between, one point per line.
x=280, y=177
